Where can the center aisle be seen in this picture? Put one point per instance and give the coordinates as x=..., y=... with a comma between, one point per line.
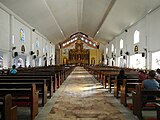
x=81, y=97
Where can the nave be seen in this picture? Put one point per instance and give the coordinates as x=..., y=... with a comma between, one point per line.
x=81, y=97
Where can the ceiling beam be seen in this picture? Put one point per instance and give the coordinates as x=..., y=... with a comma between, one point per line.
x=50, y=11
x=104, y=17
x=79, y=14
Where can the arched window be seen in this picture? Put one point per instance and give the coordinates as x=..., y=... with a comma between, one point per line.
x=121, y=44
x=106, y=50
x=1, y=62
x=112, y=48
x=136, y=37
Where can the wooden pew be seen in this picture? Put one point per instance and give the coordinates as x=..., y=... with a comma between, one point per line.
x=138, y=95
x=22, y=95
x=109, y=77
x=51, y=82
x=127, y=87
x=58, y=72
x=56, y=76
x=119, y=82
x=104, y=74
x=40, y=85
x=8, y=111
x=63, y=69
x=103, y=71
x=158, y=111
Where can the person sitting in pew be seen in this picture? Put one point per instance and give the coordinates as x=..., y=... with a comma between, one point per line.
x=142, y=75
x=158, y=74
x=13, y=70
x=20, y=66
x=150, y=84
x=121, y=75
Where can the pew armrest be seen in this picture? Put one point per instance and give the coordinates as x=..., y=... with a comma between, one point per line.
x=133, y=93
x=134, y=103
x=14, y=113
x=158, y=111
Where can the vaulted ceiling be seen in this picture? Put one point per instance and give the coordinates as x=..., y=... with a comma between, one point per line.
x=100, y=19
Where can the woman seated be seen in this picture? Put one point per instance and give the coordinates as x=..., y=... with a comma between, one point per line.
x=150, y=84
x=142, y=75
x=121, y=74
x=120, y=77
x=158, y=74
x=13, y=70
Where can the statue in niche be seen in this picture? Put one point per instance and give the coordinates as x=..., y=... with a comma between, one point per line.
x=79, y=45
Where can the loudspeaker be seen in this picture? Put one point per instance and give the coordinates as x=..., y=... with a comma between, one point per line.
x=44, y=58
x=34, y=56
x=121, y=52
x=13, y=48
x=127, y=53
x=124, y=57
x=15, y=54
x=31, y=52
x=143, y=54
x=112, y=55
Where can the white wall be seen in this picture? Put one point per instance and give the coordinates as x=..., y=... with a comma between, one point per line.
x=10, y=26
x=46, y=49
x=37, y=46
x=52, y=53
x=149, y=28
x=18, y=43
x=154, y=30
x=37, y=42
x=16, y=27
x=4, y=31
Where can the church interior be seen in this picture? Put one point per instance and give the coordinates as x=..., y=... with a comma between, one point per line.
x=79, y=60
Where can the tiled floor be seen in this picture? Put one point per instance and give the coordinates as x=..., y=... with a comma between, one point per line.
x=81, y=97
